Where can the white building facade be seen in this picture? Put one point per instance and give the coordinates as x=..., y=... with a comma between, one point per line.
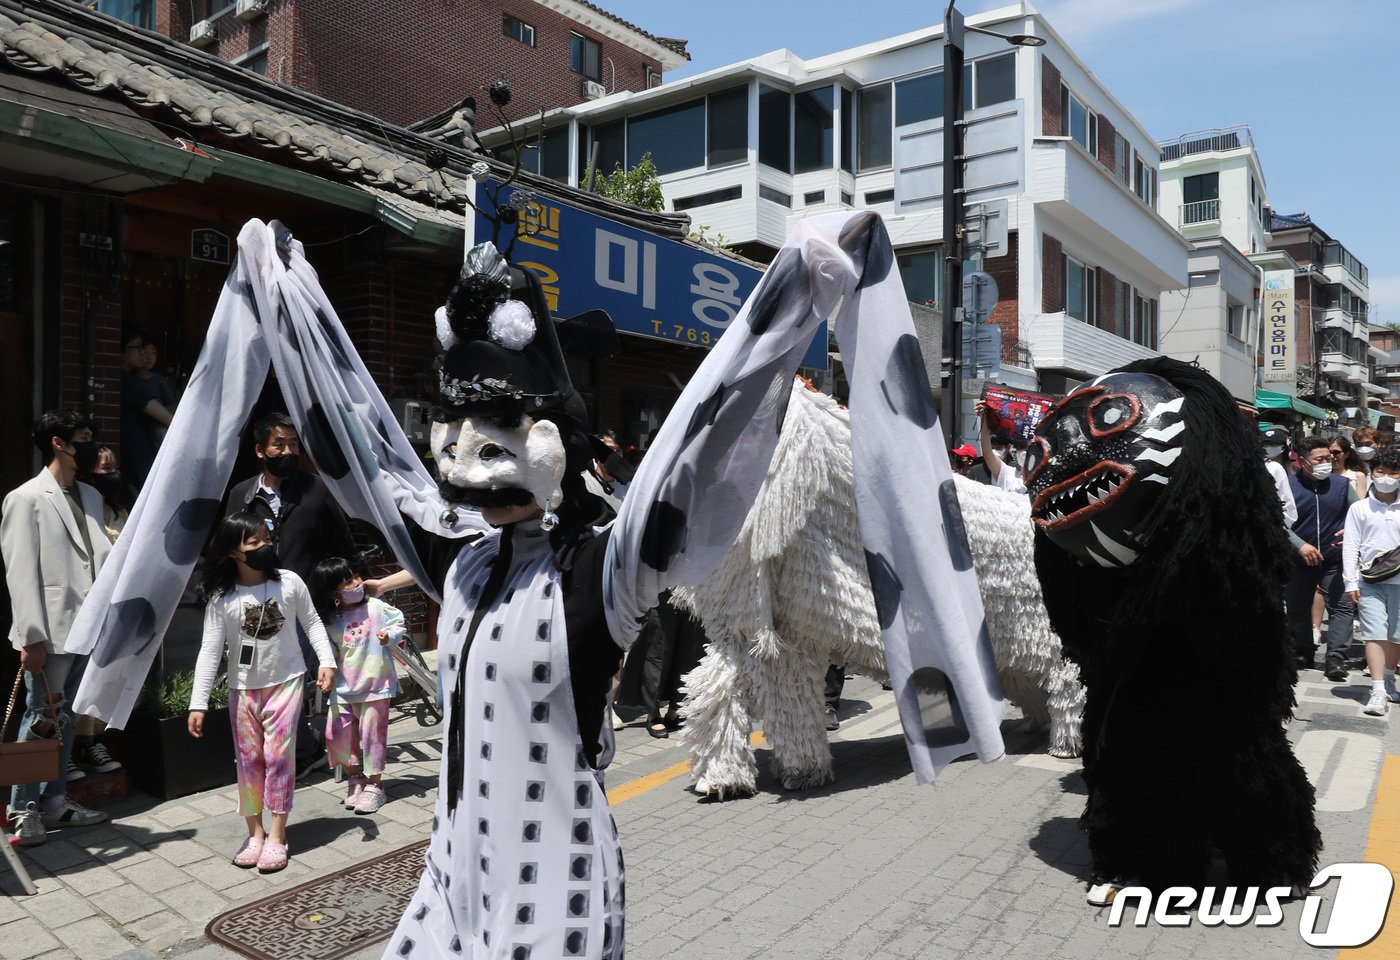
x=749, y=149
x=1214, y=193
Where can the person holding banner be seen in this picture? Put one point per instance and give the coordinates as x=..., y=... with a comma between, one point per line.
x=1004, y=468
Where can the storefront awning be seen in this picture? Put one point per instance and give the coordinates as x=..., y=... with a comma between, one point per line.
x=1269, y=400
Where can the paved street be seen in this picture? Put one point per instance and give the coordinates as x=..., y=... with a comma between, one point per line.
x=987, y=863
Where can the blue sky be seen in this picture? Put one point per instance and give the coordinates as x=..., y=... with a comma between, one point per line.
x=1318, y=83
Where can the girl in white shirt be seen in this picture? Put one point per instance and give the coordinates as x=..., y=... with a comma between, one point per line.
x=252, y=615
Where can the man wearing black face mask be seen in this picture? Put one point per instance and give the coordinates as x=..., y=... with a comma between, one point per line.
x=53, y=542
x=307, y=526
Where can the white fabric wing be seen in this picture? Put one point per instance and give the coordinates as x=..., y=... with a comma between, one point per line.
x=703, y=472
x=272, y=310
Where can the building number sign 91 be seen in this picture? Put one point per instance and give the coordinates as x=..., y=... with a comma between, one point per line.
x=209, y=246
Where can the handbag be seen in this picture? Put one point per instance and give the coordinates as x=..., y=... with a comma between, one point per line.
x=1382, y=567
x=30, y=761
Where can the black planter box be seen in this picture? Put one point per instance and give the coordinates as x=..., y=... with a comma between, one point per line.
x=162, y=758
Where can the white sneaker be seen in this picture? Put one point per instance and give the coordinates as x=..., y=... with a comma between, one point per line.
x=371, y=798
x=1377, y=705
x=72, y=814
x=1391, y=693
x=29, y=826
x=352, y=792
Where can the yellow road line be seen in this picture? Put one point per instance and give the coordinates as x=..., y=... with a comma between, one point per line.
x=1383, y=846
x=641, y=785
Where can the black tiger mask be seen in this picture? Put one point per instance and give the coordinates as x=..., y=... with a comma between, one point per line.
x=1099, y=463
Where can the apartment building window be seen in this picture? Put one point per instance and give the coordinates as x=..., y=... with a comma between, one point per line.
x=882, y=107
x=1081, y=291
x=875, y=106
x=848, y=131
x=775, y=129
x=1145, y=322
x=1081, y=123
x=1234, y=320
x=1121, y=154
x=994, y=80
x=1114, y=313
x=1200, y=195
x=813, y=113
x=585, y=55
x=255, y=62
x=610, y=140
x=727, y=127
x=518, y=30
x=1142, y=180
x=922, y=272
x=547, y=155
x=675, y=137
x=138, y=13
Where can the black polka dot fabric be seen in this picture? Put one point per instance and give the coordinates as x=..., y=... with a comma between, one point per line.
x=531, y=827
x=704, y=468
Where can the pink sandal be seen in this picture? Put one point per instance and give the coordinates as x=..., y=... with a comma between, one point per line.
x=274, y=857
x=248, y=854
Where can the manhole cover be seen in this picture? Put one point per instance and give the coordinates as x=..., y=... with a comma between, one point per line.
x=328, y=917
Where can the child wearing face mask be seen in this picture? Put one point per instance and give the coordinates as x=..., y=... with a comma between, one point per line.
x=357, y=722
x=252, y=615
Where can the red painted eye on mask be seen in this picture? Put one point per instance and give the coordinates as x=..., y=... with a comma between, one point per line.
x=1113, y=413
x=1037, y=456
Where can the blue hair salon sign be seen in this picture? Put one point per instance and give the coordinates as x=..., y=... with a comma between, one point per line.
x=650, y=286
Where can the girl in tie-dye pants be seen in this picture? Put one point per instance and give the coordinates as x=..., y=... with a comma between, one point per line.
x=253, y=612
x=357, y=724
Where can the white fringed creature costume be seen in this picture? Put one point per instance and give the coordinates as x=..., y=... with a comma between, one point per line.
x=792, y=596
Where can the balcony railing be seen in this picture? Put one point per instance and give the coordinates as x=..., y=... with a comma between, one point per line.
x=1207, y=141
x=1201, y=211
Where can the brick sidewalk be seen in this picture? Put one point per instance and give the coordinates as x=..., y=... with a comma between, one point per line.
x=988, y=862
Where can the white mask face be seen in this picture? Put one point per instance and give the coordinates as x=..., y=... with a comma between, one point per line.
x=1321, y=471
x=1385, y=484
x=1366, y=453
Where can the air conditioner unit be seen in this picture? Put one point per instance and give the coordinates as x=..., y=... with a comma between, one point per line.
x=592, y=90
x=202, y=33
x=250, y=9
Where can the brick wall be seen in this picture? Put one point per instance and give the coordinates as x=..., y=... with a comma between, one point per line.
x=408, y=61
x=1049, y=99
x=1005, y=271
x=1052, y=275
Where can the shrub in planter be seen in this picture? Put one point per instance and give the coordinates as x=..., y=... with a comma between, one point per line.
x=162, y=758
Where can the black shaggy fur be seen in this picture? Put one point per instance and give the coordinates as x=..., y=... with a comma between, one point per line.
x=1188, y=673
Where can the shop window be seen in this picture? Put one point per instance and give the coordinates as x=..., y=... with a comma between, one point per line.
x=675, y=137
x=585, y=55
x=728, y=122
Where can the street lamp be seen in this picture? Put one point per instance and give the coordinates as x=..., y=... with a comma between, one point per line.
x=953, y=28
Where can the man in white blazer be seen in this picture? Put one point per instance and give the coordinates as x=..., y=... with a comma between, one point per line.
x=53, y=541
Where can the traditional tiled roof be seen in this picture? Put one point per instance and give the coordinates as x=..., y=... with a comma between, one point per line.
x=678, y=46
x=197, y=96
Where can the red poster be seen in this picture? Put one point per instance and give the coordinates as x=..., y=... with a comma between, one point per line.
x=1014, y=414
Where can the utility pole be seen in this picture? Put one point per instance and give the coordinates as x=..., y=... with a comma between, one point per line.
x=952, y=222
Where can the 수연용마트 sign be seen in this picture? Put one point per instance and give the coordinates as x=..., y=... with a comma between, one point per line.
x=650, y=286
x=1280, y=359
